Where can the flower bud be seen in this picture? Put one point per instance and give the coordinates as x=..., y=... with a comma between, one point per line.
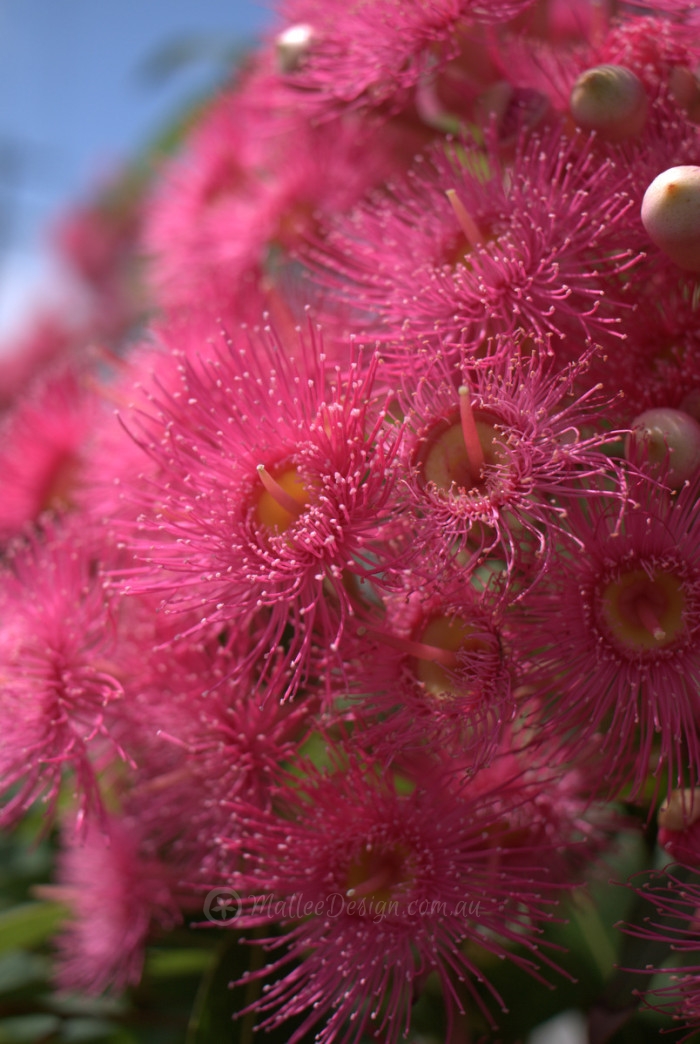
x=680, y=810
x=666, y=437
x=685, y=90
x=671, y=215
x=292, y=46
x=611, y=100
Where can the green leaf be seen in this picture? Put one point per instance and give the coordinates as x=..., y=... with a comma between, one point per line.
x=165, y=964
x=212, y=1017
x=213, y=1020
x=28, y=1029
x=20, y=969
x=29, y=924
x=82, y=1031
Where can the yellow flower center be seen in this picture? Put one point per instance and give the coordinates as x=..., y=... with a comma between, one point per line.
x=453, y=634
x=445, y=461
x=281, y=500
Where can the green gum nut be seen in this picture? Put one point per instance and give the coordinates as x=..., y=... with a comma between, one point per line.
x=611, y=100
x=666, y=442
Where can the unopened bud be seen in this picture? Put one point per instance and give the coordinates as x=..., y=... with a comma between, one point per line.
x=671, y=215
x=683, y=85
x=292, y=46
x=611, y=100
x=685, y=90
x=680, y=810
x=666, y=437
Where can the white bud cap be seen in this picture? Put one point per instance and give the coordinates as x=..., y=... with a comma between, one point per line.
x=680, y=810
x=292, y=46
x=665, y=436
x=671, y=215
x=611, y=100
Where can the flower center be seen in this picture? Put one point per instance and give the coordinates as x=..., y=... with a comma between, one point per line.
x=453, y=634
x=282, y=498
x=644, y=611
x=60, y=485
x=456, y=449
x=377, y=873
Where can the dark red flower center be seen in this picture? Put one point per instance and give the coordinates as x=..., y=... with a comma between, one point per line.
x=644, y=611
x=378, y=873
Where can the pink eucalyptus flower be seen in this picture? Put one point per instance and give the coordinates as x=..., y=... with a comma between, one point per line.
x=276, y=476
x=59, y=682
x=494, y=455
x=44, y=443
x=433, y=671
x=468, y=248
x=117, y=891
x=613, y=630
x=254, y=181
x=377, y=886
x=370, y=52
x=205, y=742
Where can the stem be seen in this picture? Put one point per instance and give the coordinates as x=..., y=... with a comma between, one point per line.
x=253, y=991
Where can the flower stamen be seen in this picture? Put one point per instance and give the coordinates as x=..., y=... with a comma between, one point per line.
x=283, y=499
x=470, y=433
x=475, y=236
x=419, y=650
x=648, y=618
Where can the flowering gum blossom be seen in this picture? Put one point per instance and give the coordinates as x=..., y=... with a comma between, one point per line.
x=671, y=215
x=611, y=100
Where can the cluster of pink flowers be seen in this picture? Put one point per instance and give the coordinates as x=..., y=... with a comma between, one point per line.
x=351, y=539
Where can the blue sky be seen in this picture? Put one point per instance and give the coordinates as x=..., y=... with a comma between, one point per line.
x=79, y=91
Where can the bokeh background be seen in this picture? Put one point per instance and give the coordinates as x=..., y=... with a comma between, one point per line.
x=85, y=84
